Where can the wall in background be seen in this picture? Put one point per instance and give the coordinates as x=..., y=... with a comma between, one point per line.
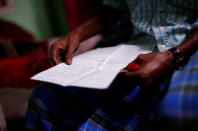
x=43, y=18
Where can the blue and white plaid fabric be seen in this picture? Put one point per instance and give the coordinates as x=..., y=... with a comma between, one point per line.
x=174, y=103
x=167, y=21
x=52, y=107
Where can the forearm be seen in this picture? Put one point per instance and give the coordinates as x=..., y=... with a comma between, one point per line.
x=105, y=18
x=63, y=49
x=89, y=28
x=189, y=46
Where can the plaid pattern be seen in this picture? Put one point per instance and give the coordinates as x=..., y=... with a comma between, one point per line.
x=58, y=108
x=167, y=21
x=180, y=104
x=52, y=107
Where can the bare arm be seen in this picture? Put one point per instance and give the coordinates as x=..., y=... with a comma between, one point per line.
x=155, y=66
x=189, y=46
x=62, y=50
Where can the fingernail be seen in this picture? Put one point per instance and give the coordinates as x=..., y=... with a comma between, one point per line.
x=69, y=61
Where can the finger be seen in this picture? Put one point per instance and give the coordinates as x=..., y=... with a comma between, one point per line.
x=137, y=61
x=55, y=55
x=69, y=55
x=133, y=76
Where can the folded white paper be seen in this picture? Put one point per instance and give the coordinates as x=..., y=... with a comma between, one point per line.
x=95, y=69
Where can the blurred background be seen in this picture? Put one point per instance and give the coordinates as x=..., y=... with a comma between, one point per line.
x=27, y=29
x=43, y=19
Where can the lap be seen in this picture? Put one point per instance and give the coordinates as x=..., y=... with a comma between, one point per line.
x=81, y=109
x=57, y=107
x=180, y=103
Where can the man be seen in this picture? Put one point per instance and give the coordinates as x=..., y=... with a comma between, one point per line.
x=172, y=26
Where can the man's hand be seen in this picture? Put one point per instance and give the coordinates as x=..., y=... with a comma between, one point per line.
x=63, y=49
x=153, y=67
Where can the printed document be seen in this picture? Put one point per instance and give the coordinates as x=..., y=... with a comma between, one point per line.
x=95, y=69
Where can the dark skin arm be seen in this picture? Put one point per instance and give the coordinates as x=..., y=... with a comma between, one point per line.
x=63, y=49
x=154, y=66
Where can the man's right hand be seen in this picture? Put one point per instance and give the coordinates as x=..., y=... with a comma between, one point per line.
x=63, y=49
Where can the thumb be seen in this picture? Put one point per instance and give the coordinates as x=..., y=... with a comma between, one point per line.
x=133, y=76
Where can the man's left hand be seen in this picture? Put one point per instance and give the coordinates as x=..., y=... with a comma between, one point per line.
x=153, y=67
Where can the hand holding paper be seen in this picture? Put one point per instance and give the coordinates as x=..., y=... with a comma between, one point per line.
x=95, y=69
